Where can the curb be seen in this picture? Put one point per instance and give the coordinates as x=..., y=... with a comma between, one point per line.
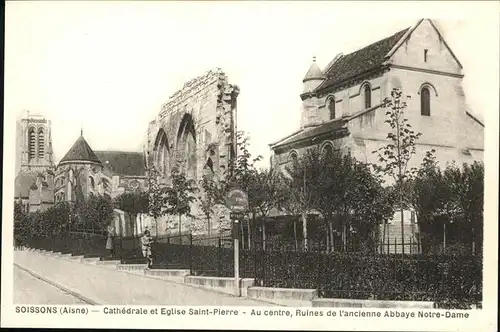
x=103, y=266
x=58, y=286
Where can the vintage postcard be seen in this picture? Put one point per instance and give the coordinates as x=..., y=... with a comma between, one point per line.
x=257, y=165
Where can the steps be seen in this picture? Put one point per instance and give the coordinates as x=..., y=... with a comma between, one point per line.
x=393, y=239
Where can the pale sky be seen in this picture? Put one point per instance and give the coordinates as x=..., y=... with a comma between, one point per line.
x=109, y=66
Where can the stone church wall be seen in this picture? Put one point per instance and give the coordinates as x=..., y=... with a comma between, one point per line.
x=195, y=127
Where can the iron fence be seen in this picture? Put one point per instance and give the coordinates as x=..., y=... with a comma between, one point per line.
x=350, y=270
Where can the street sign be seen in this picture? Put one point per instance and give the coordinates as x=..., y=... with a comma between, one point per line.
x=237, y=200
x=235, y=231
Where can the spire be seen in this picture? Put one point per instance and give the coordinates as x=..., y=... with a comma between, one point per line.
x=313, y=78
x=314, y=72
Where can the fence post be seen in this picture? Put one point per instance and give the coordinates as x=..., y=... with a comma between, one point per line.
x=219, y=258
x=190, y=253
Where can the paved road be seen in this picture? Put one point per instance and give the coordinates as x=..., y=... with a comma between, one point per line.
x=104, y=285
x=31, y=290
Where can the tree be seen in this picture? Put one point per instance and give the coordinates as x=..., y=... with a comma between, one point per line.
x=20, y=228
x=96, y=212
x=463, y=201
x=241, y=173
x=156, y=197
x=179, y=197
x=266, y=191
x=395, y=156
x=212, y=194
x=304, y=175
x=472, y=202
x=368, y=202
x=132, y=203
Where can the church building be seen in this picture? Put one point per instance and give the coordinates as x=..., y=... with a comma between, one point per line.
x=80, y=173
x=34, y=166
x=341, y=104
x=83, y=171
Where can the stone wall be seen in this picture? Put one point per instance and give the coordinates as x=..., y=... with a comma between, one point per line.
x=196, y=128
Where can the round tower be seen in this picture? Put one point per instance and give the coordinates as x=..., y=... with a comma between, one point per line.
x=309, y=110
x=313, y=78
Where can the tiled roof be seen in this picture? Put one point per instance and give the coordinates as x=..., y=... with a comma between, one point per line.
x=353, y=64
x=23, y=183
x=123, y=163
x=80, y=151
x=325, y=128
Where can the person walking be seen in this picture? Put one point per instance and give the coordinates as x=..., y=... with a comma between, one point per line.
x=146, y=241
x=109, y=241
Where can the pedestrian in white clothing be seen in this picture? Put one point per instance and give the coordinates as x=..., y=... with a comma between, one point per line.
x=146, y=241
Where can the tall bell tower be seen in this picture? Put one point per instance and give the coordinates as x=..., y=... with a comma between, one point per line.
x=33, y=144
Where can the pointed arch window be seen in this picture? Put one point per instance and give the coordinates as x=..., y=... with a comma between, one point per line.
x=41, y=143
x=425, y=101
x=331, y=108
x=92, y=183
x=367, y=92
x=31, y=143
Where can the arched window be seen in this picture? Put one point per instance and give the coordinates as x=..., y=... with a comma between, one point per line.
x=327, y=150
x=367, y=91
x=31, y=143
x=92, y=183
x=186, y=145
x=293, y=156
x=331, y=108
x=425, y=101
x=41, y=143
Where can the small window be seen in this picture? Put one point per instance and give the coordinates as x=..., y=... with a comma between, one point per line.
x=425, y=55
x=368, y=96
x=328, y=150
x=425, y=101
x=331, y=108
x=293, y=157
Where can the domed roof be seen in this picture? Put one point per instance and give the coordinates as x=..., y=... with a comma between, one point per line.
x=23, y=182
x=314, y=72
x=80, y=151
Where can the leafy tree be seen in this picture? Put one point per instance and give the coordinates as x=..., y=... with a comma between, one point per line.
x=453, y=195
x=179, y=197
x=369, y=203
x=96, y=212
x=56, y=218
x=241, y=169
x=240, y=173
x=155, y=196
x=20, y=229
x=394, y=157
x=212, y=194
x=472, y=201
x=266, y=191
x=132, y=203
x=304, y=176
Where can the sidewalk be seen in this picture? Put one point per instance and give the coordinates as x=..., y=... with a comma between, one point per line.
x=108, y=286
